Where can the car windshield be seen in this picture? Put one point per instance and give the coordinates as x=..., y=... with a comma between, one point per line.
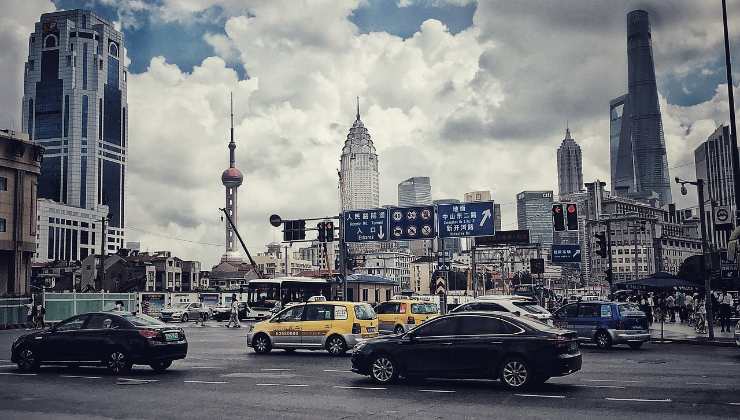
x=180, y=306
x=423, y=308
x=142, y=320
x=628, y=307
x=531, y=307
x=364, y=312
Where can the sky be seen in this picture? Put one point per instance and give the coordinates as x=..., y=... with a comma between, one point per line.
x=475, y=95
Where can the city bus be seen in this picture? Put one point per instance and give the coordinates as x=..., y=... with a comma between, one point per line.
x=264, y=294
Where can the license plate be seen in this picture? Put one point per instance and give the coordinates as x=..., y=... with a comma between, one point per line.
x=172, y=336
x=371, y=329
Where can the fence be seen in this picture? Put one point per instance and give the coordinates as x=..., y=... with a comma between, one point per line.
x=13, y=311
x=60, y=306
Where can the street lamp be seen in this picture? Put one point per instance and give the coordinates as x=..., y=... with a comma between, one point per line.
x=699, y=183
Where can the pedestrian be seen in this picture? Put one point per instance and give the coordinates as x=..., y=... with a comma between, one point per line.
x=701, y=313
x=31, y=315
x=40, y=312
x=119, y=306
x=234, y=317
x=725, y=305
x=669, y=303
x=203, y=314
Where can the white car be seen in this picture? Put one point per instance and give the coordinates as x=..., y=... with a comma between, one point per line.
x=504, y=303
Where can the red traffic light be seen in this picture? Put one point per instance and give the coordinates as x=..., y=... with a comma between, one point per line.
x=571, y=208
x=557, y=209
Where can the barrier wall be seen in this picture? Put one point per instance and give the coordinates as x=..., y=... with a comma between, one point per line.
x=13, y=311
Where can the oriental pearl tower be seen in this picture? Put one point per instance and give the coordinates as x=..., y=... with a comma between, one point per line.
x=232, y=178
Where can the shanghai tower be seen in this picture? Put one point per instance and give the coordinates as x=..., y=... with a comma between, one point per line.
x=640, y=167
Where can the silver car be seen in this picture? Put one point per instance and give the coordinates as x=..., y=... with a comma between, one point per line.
x=184, y=312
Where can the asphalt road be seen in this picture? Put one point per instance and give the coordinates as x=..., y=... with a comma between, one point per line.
x=222, y=379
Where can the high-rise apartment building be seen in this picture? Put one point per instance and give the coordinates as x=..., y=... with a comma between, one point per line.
x=359, y=169
x=416, y=191
x=570, y=166
x=534, y=212
x=713, y=160
x=640, y=167
x=74, y=104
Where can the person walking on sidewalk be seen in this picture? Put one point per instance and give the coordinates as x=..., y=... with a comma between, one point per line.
x=701, y=316
x=234, y=312
x=40, y=313
x=725, y=305
x=669, y=303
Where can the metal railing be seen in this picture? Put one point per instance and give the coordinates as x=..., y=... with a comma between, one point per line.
x=13, y=311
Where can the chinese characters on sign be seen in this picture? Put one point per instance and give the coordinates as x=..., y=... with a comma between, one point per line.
x=366, y=225
x=465, y=219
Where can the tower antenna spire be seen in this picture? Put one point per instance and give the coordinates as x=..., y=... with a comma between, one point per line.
x=232, y=145
x=358, y=108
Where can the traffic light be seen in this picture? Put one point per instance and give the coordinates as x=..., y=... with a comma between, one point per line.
x=329, y=228
x=558, y=220
x=321, y=227
x=294, y=230
x=608, y=273
x=572, y=216
x=602, y=248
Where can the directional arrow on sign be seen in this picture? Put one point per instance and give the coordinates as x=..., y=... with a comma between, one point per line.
x=486, y=216
x=381, y=235
x=441, y=287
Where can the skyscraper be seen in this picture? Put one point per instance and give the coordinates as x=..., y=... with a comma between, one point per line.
x=713, y=160
x=416, y=191
x=570, y=166
x=640, y=168
x=359, y=169
x=74, y=104
x=534, y=212
x=232, y=178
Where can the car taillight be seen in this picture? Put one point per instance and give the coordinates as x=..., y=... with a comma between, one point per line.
x=411, y=320
x=149, y=333
x=355, y=328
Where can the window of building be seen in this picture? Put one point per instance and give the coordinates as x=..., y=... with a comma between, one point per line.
x=364, y=295
x=50, y=41
x=31, y=64
x=113, y=49
x=84, y=115
x=2, y=224
x=3, y=183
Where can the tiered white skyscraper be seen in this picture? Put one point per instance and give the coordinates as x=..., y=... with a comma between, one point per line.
x=359, y=169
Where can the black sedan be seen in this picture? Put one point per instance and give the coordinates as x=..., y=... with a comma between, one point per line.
x=113, y=339
x=518, y=351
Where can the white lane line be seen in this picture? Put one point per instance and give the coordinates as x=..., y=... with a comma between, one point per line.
x=80, y=377
x=611, y=380
x=638, y=399
x=4, y=360
x=297, y=385
x=600, y=386
x=371, y=388
x=734, y=403
x=5, y=366
x=18, y=374
x=138, y=380
x=439, y=391
x=325, y=370
x=540, y=396
x=267, y=384
x=276, y=370
x=205, y=382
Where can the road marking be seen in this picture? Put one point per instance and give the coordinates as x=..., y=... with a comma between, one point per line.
x=205, y=382
x=325, y=370
x=638, y=399
x=600, y=386
x=734, y=403
x=205, y=367
x=440, y=391
x=371, y=388
x=267, y=384
x=4, y=360
x=540, y=396
x=138, y=380
x=5, y=366
x=297, y=385
x=276, y=369
x=611, y=380
x=18, y=374
x=80, y=377
x=702, y=383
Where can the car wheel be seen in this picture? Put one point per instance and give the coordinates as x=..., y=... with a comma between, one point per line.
x=261, y=344
x=27, y=361
x=383, y=370
x=118, y=362
x=603, y=341
x=161, y=366
x=398, y=330
x=515, y=374
x=336, y=345
x=184, y=318
x=635, y=346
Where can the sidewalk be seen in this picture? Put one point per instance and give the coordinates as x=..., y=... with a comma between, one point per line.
x=683, y=333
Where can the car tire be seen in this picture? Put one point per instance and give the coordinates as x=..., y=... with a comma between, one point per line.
x=118, y=362
x=635, y=346
x=603, y=340
x=261, y=344
x=336, y=345
x=515, y=373
x=399, y=329
x=184, y=318
x=161, y=366
x=27, y=361
x=383, y=369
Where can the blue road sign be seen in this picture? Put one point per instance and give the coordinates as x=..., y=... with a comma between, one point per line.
x=465, y=219
x=566, y=253
x=366, y=225
x=409, y=223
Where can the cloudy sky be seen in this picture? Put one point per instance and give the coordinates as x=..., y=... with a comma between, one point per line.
x=475, y=95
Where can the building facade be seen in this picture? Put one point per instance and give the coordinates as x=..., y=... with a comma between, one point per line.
x=68, y=233
x=75, y=105
x=570, y=166
x=415, y=191
x=20, y=165
x=360, y=188
x=534, y=212
x=389, y=264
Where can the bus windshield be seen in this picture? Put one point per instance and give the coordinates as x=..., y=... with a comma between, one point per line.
x=263, y=295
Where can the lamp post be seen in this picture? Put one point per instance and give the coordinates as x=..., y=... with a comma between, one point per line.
x=707, y=281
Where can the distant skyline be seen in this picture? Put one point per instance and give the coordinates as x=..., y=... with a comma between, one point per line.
x=450, y=89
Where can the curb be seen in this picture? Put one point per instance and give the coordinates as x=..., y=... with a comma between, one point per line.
x=695, y=342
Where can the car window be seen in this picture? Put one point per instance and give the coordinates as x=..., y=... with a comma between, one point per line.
x=477, y=325
x=488, y=306
x=569, y=311
x=104, y=321
x=606, y=311
x=363, y=312
x=423, y=308
x=142, y=320
x=294, y=313
x=72, y=323
x=195, y=306
x=588, y=310
x=438, y=327
x=628, y=307
x=319, y=312
x=380, y=309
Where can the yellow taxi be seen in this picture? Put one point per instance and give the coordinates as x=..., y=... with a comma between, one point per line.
x=400, y=315
x=331, y=325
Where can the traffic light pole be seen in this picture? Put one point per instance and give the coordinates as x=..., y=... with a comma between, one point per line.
x=707, y=278
x=342, y=255
x=733, y=128
x=610, y=280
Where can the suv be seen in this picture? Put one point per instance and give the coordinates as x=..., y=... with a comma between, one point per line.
x=334, y=326
x=399, y=316
x=605, y=323
x=514, y=304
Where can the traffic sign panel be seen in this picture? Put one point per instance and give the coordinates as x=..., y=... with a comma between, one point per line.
x=566, y=253
x=465, y=219
x=366, y=225
x=408, y=223
x=722, y=215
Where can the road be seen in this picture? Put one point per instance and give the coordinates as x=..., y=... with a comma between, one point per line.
x=222, y=379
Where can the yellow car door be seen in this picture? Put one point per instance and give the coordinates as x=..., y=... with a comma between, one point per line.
x=285, y=329
x=316, y=324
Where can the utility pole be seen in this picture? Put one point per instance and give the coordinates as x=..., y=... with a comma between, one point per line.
x=707, y=279
x=733, y=128
x=342, y=245
x=238, y=236
x=473, y=269
x=103, y=245
x=634, y=237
